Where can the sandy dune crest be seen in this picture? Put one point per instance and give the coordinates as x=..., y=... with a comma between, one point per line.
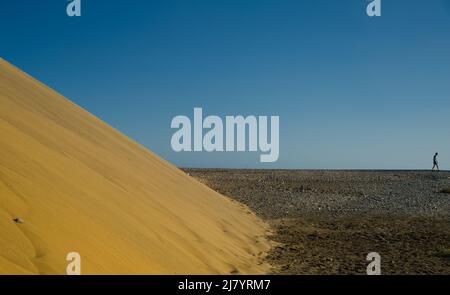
x=79, y=185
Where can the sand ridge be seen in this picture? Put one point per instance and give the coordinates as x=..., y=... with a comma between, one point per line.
x=80, y=185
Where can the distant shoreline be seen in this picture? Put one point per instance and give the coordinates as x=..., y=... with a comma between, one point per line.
x=314, y=170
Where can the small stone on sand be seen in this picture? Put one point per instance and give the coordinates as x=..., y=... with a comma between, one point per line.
x=18, y=220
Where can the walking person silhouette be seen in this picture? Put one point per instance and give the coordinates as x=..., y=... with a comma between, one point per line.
x=435, y=163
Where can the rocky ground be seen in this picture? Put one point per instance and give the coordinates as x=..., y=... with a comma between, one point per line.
x=326, y=222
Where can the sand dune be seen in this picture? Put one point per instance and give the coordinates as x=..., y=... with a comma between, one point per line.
x=80, y=185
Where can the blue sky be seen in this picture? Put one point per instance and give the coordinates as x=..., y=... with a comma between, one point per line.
x=351, y=91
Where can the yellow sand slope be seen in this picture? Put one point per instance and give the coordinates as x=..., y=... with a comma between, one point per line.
x=80, y=185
